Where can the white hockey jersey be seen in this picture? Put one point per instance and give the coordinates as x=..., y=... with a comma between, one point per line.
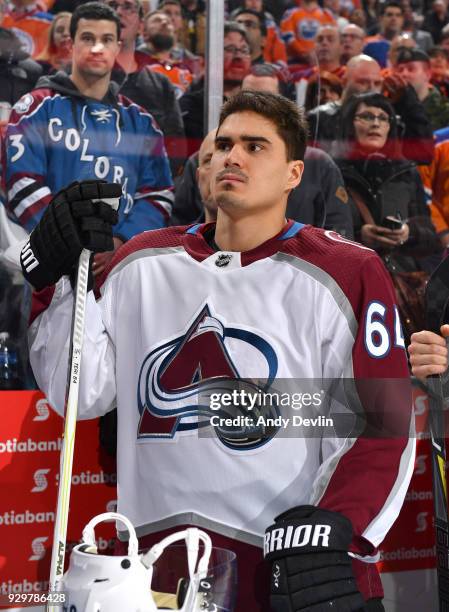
x=175, y=316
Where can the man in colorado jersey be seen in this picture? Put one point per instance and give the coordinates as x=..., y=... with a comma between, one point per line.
x=77, y=127
x=186, y=311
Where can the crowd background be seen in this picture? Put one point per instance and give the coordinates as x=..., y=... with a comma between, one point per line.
x=373, y=78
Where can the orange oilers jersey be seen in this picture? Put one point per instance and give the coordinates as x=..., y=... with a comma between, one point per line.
x=31, y=28
x=274, y=50
x=180, y=77
x=435, y=178
x=299, y=29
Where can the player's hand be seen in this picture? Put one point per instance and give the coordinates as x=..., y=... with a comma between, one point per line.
x=310, y=566
x=394, y=87
x=101, y=260
x=375, y=236
x=76, y=218
x=428, y=353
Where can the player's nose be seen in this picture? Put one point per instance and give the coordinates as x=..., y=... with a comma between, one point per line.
x=234, y=156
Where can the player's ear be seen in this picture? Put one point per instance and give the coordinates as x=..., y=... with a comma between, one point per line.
x=296, y=168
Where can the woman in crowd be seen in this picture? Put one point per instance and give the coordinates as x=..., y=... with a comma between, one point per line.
x=388, y=203
x=57, y=54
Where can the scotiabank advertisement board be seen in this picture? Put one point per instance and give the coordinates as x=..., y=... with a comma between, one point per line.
x=30, y=442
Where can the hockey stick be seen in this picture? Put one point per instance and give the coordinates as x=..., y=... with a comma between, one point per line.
x=68, y=441
x=71, y=412
x=437, y=297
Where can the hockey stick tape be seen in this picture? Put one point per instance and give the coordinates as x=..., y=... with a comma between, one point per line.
x=89, y=534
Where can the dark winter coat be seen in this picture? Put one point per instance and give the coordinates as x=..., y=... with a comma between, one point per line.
x=18, y=72
x=154, y=92
x=392, y=188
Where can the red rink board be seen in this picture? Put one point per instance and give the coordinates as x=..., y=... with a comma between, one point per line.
x=30, y=434
x=30, y=437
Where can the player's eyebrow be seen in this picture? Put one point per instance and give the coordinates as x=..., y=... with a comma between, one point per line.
x=244, y=137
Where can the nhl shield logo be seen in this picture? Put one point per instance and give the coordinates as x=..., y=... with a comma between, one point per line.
x=223, y=260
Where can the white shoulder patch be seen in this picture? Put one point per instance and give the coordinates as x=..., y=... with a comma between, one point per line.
x=24, y=104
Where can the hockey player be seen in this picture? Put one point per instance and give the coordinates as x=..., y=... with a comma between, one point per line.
x=253, y=296
x=77, y=127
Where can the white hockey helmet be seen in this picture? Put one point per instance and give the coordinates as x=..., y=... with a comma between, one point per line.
x=101, y=583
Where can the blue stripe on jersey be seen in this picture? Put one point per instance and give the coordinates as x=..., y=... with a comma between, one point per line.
x=194, y=229
x=292, y=231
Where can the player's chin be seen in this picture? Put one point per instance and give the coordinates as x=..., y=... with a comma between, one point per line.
x=227, y=199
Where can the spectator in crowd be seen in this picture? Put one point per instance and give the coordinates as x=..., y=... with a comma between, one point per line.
x=299, y=28
x=435, y=180
x=203, y=178
x=18, y=72
x=179, y=54
x=402, y=41
x=371, y=12
x=436, y=19
x=363, y=74
x=352, y=42
x=391, y=21
x=358, y=17
x=256, y=30
x=439, y=69
x=58, y=52
x=383, y=185
x=320, y=199
x=322, y=88
x=338, y=12
x=413, y=65
x=273, y=8
x=193, y=34
x=270, y=77
x=328, y=50
x=392, y=25
x=237, y=64
x=160, y=41
x=152, y=91
x=88, y=132
x=274, y=49
x=326, y=57
x=30, y=24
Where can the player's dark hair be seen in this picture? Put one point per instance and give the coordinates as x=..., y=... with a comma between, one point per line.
x=260, y=17
x=235, y=26
x=165, y=2
x=390, y=4
x=289, y=120
x=94, y=11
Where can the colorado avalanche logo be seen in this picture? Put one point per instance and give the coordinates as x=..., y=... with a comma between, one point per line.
x=177, y=377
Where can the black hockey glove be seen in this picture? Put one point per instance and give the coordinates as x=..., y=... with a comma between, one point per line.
x=310, y=566
x=72, y=221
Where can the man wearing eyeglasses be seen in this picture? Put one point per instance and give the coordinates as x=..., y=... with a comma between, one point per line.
x=237, y=64
x=352, y=42
x=77, y=127
x=256, y=31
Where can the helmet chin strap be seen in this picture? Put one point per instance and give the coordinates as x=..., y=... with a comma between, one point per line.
x=102, y=583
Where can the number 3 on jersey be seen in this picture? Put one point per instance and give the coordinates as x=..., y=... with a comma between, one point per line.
x=377, y=334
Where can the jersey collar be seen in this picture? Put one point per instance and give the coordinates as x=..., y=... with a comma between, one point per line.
x=197, y=247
